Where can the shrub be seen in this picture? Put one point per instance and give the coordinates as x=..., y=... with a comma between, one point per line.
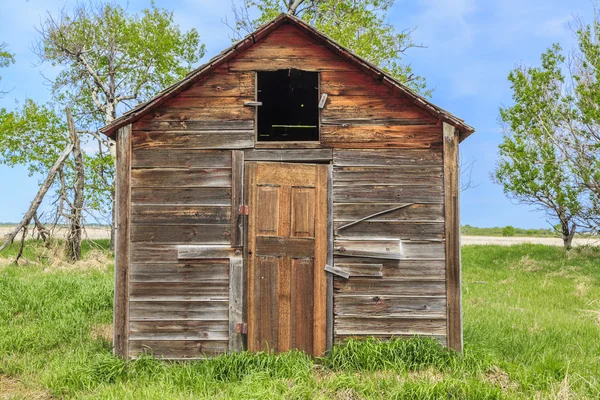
x=508, y=231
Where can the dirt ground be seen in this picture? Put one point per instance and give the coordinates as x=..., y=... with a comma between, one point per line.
x=507, y=241
x=100, y=232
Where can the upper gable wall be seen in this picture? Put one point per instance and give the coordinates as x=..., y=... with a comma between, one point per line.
x=361, y=112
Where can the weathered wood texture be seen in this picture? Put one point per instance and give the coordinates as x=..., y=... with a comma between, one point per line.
x=122, y=244
x=395, y=259
x=287, y=246
x=453, y=267
x=185, y=190
x=180, y=308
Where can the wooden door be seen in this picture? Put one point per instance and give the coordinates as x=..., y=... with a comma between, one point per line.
x=287, y=251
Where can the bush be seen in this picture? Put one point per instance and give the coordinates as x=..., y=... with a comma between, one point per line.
x=508, y=231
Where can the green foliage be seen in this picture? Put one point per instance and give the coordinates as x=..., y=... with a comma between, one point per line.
x=508, y=231
x=109, y=56
x=357, y=25
x=396, y=355
x=532, y=168
x=32, y=135
x=6, y=58
x=531, y=331
x=109, y=59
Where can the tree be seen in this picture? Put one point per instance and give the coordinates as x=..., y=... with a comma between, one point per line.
x=532, y=168
x=6, y=58
x=110, y=61
x=358, y=25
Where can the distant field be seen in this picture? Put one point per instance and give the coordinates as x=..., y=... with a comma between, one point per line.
x=531, y=326
x=500, y=231
x=93, y=232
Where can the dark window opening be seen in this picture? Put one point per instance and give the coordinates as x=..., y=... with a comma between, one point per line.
x=290, y=105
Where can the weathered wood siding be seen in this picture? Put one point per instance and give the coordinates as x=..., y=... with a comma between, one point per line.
x=386, y=152
x=394, y=289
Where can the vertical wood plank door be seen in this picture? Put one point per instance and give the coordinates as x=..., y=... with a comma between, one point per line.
x=287, y=252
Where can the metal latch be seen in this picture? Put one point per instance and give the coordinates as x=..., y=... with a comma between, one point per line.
x=243, y=210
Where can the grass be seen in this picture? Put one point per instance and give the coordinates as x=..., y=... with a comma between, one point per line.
x=502, y=231
x=532, y=330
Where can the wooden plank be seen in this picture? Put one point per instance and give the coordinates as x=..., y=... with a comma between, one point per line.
x=388, y=193
x=405, y=175
x=178, y=349
x=348, y=212
x=191, y=271
x=394, y=269
x=383, y=157
x=154, y=124
x=242, y=64
x=365, y=326
x=321, y=255
x=386, y=229
x=374, y=215
x=221, y=84
x=297, y=155
x=390, y=306
x=453, y=267
x=179, y=291
x=184, y=215
x=345, y=122
x=179, y=196
x=372, y=248
x=199, y=233
x=288, y=145
x=361, y=269
x=330, y=259
x=375, y=137
x=179, y=330
x=236, y=303
x=337, y=271
x=122, y=250
x=207, y=102
x=192, y=177
x=180, y=158
x=178, y=310
x=423, y=249
x=207, y=252
x=181, y=113
x=153, y=253
x=194, y=140
x=368, y=286
x=237, y=198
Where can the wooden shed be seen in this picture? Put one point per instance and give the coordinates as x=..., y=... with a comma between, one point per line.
x=287, y=194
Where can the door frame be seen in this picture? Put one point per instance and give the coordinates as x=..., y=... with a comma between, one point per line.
x=325, y=317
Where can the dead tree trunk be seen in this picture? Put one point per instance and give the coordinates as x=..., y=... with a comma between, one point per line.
x=39, y=196
x=75, y=216
x=44, y=233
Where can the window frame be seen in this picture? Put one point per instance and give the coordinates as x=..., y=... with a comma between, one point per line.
x=267, y=144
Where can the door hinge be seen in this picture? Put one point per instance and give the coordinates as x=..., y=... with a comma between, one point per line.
x=241, y=328
x=243, y=210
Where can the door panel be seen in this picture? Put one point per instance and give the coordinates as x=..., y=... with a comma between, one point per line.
x=287, y=233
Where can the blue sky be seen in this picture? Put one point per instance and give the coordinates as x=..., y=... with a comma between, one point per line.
x=471, y=47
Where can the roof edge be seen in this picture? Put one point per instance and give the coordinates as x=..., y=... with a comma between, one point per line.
x=142, y=109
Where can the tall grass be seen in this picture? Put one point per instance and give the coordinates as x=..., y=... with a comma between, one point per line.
x=531, y=329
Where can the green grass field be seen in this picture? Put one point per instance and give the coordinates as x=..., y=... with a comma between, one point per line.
x=531, y=320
